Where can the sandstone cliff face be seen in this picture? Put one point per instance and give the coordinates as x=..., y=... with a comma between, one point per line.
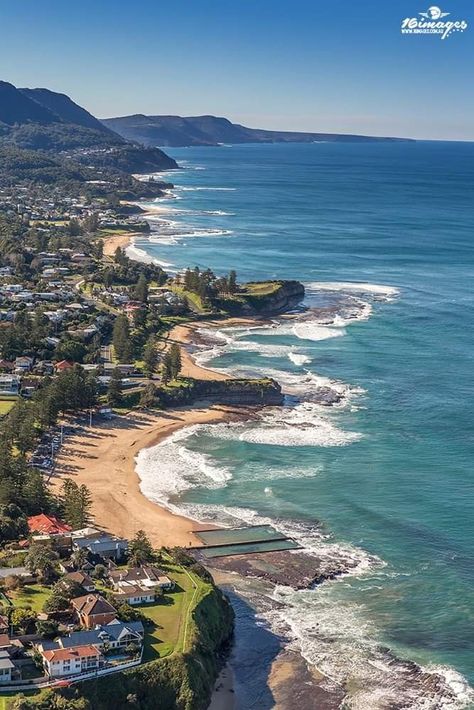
x=266, y=392
x=284, y=296
x=244, y=392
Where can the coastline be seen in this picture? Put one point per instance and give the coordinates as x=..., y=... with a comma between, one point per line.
x=103, y=458
x=113, y=241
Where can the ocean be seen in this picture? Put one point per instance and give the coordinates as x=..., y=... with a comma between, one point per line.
x=382, y=236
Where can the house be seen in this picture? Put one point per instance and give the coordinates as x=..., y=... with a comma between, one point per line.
x=104, y=545
x=133, y=594
x=6, y=366
x=147, y=577
x=6, y=667
x=93, y=609
x=86, y=532
x=81, y=578
x=48, y=525
x=72, y=661
x=9, y=384
x=114, y=635
x=63, y=365
x=4, y=625
x=23, y=364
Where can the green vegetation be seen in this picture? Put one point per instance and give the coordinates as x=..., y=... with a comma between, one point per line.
x=6, y=405
x=31, y=596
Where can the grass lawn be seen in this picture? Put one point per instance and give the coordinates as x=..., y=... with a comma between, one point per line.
x=33, y=595
x=171, y=614
x=261, y=288
x=6, y=405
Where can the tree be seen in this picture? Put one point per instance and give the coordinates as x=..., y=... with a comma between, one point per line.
x=140, y=292
x=77, y=504
x=166, y=370
x=150, y=356
x=100, y=571
x=141, y=549
x=71, y=350
x=79, y=557
x=114, y=390
x=121, y=339
x=41, y=560
x=22, y=618
x=175, y=360
x=232, y=282
x=148, y=396
x=48, y=628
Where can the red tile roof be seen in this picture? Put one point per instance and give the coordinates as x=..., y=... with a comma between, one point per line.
x=68, y=654
x=64, y=365
x=47, y=524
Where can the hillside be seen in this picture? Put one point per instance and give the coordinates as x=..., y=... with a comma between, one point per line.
x=212, y=130
x=16, y=108
x=66, y=109
x=40, y=119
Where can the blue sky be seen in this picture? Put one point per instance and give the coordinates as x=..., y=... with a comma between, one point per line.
x=337, y=65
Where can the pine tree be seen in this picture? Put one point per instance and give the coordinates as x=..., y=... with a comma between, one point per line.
x=77, y=503
x=121, y=339
x=114, y=391
x=150, y=357
x=232, y=283
x=166, y=371
x=140, y=292
x=141, y=550
x=175, y=360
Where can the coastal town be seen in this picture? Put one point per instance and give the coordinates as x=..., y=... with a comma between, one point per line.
x=92, y=342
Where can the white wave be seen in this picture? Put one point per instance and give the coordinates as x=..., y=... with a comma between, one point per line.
x=302, y=425
x=139, y=254
x=308, y=330
x=337, y=636
x=388, y=292
x=220, y=213
x=299, y=358
x=169, y=468
x=204, y=188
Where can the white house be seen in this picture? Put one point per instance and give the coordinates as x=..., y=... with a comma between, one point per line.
x=72, y=661
x=6, y=667
x=9, y=384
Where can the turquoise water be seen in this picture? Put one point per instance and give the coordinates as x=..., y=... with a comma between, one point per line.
x=388, y=472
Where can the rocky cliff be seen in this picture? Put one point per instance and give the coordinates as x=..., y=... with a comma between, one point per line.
x=238, y=392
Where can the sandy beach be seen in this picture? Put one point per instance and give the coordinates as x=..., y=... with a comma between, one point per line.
x=113, y=241
x=103, y=457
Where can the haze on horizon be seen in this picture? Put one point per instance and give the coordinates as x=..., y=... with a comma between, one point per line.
x=305, y=66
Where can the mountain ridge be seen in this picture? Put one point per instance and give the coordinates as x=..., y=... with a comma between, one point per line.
x=42, y=119
x=170, y=130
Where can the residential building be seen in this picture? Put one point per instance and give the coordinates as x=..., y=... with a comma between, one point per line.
x=6, y=667
x=147, y=577
x=63, y=365
x=93, y=609
x=72, y=661
x=81, y=578
x=115, y=635
x=104, y=545
x=48, y=525
x=9, y=385
x=133, y=595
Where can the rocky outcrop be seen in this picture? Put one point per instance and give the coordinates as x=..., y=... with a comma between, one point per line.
x=237, y=392
x=262, y=298
x=284, y=296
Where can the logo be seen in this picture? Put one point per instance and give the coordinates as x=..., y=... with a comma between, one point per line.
x=432, y=23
